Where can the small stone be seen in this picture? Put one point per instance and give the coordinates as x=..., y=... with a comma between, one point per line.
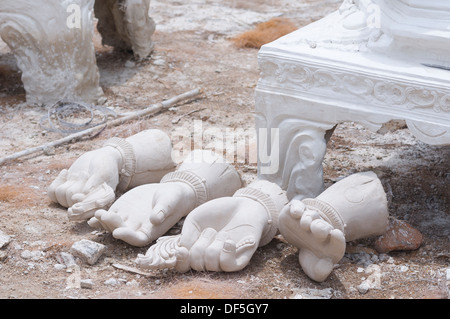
x=310, y=293
x=132, y=283
x=363, y=287
x=86, y=283
x=33, y=255
x=49, y=150
x=3, y=255
x=4, y=239
x=111, y=282
x=374, y=279
x=59, y=267
x=159, y=62
x=403, y=268
x=399, y=236
x=130, y=64
x=67, y=259
x=89, y=251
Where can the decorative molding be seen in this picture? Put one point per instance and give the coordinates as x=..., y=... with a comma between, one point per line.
x=299, y=77
x=161, y=255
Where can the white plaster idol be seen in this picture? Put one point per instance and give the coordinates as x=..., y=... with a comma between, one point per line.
x=94, y=178
x=52, y=42
x=353, y=208
x=372, y=62
x=126, y=24
x=416, y=30
x=53, y=47
x=147, y=212
x=222, y=234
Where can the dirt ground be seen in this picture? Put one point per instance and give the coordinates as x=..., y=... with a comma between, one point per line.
x=193, y=49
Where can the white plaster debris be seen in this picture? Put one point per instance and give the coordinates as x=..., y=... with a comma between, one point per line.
x=88, y=250
x=111, y=282
x=68, y=260
x=3, y=255
x=133, y=283
x=310, y=293
x=363, y=287
x=86, y=283
x=59, y=267
x=130, y=64
x=4, y=239
x=373, y=281
x=33, y=254
x=402, y=268
x=159, y=62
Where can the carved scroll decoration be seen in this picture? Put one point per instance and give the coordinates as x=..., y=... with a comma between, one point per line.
x=294, y=76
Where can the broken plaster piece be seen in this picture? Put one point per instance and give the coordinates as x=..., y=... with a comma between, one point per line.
x=222, y=234
x=89, y=251
x=53, y=48
x=353, y=208
x=52, y=42
x=147, y=212
x=126, y=25
x=4, y=239
x=94, y=178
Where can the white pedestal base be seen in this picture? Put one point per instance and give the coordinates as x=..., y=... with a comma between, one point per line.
x=326, y=74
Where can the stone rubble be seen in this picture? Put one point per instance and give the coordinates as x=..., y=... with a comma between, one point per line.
x=399, y=236
x=310, y=293
x=111, y=282
x=368, y=259
x=33, y=254
x=67, y=260
x=88, y=250
x=86, y=283
x=373, y=281
x=4, y=239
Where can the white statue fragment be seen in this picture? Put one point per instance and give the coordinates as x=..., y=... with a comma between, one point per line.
x=126, y=24
x=222, y=234
x=358, y=15
x=353, y=208
x=94, y=178
x=147, y=212
x=52, y=43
